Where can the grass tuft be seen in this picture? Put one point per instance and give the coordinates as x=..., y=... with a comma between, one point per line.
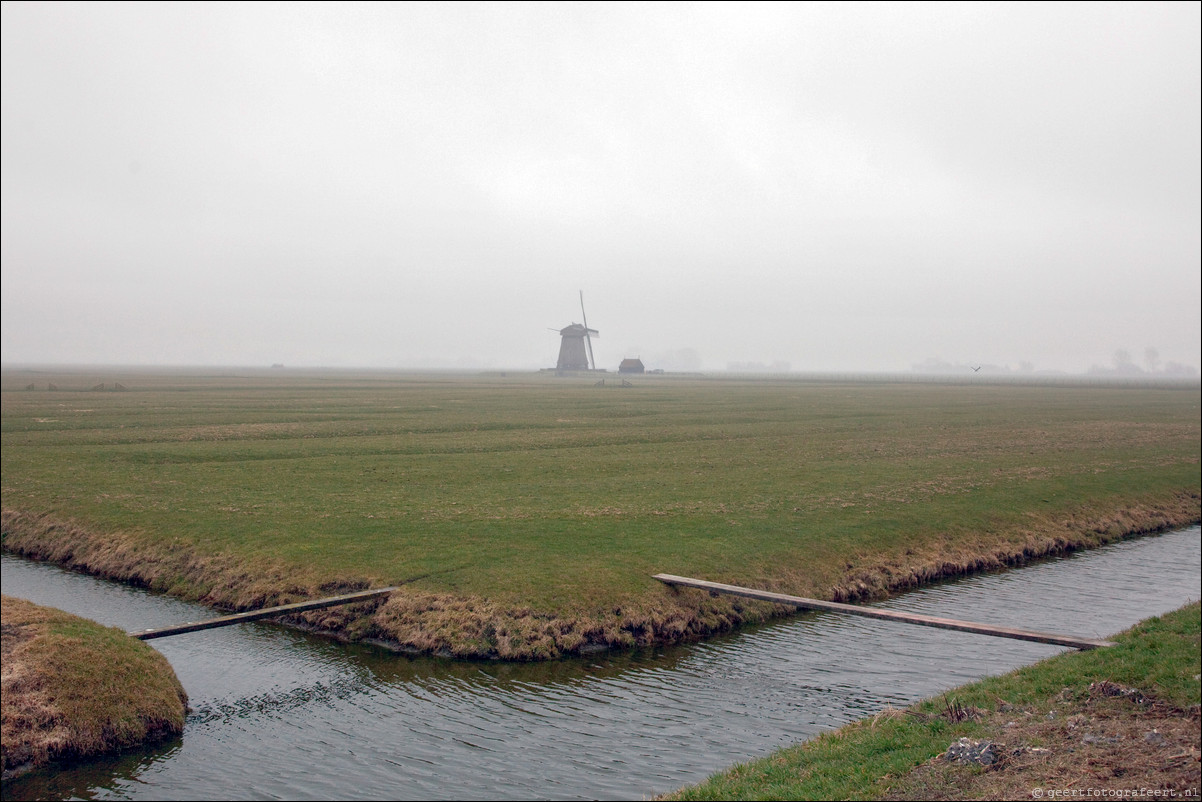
x=72, y=687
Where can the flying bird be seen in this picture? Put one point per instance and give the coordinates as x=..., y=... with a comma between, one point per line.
x=978, y=367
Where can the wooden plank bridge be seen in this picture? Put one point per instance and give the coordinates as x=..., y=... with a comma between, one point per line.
x=266, y=612
x=888, y=615
x=670, y=579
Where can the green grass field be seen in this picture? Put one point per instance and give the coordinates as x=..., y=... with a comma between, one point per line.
x=558, y=496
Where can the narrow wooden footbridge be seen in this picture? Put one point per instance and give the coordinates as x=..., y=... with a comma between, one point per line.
x=266, y=612
x=669, y=579
x=888, y=615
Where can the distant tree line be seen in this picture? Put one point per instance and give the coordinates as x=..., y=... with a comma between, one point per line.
x=1124, y=365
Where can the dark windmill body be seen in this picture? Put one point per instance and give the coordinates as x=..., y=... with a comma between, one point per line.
x=572, y=353
x=576, y=345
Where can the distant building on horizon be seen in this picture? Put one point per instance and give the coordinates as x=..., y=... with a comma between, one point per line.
x=631, y=366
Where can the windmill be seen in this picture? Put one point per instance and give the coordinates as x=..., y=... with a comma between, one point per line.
x=575, y=337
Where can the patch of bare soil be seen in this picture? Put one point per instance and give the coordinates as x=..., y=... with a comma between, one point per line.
x=1114, y=743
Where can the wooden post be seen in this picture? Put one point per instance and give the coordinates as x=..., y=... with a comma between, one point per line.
x=889, y=615
x=255, y=615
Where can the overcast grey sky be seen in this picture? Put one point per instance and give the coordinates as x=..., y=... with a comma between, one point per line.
x=832, y=186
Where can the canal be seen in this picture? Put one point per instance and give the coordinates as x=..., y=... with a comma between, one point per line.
x=280, y=714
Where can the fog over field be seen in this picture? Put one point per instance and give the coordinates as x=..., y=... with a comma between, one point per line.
x=805, y=187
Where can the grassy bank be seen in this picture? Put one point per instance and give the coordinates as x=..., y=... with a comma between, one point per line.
x=73, y=688
x=525, y=515
x=1117, y=719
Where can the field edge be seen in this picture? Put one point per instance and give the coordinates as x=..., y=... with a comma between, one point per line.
x=472, y=627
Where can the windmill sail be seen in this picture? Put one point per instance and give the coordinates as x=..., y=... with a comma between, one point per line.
x=587, y=338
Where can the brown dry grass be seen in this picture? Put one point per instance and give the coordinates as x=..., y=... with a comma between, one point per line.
x=71, y=687
x=31, y=725
x=1107, y=742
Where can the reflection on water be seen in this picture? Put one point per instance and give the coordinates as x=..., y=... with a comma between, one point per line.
x=278, y=713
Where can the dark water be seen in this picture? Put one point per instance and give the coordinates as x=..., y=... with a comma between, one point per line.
x=277, y=714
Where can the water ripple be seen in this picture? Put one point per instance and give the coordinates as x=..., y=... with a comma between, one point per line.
x=280, y=714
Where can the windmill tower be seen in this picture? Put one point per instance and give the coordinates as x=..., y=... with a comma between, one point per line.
x=574, y=339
